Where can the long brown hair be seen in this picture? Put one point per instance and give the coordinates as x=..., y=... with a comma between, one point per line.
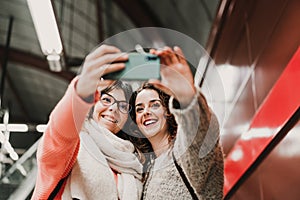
x=140, y=141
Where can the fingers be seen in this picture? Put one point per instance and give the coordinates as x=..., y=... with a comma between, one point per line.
x=106, y=59
x=180, y=55
x=109, y=68
x=170, y=56
x=152, y=51
x=105, y=54
x=174, y=70
x=167, y=56
x=101, y=61
x=101, y=50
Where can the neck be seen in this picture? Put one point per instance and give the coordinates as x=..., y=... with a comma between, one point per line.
x=160, y=143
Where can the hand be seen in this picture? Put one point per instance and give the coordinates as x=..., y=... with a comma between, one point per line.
x=97, y=64
x=176, y=76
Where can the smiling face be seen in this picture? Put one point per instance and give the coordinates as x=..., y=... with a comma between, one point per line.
x=150, y=114
x=110, y=117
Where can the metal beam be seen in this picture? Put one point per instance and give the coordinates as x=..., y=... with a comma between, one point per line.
x=34, y=62
x=100, y=21
x=5, y=59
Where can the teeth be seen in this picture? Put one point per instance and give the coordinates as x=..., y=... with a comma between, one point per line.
x=146, y=123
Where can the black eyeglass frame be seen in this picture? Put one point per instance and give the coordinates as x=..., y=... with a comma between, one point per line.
x=115, y=101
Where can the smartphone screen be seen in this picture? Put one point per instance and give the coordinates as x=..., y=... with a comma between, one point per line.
x=138, y=67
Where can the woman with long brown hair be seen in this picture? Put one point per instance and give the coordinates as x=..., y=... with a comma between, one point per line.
x=184, y=156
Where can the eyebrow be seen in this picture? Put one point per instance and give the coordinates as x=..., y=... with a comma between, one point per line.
x=112, y=97
x=152, y=100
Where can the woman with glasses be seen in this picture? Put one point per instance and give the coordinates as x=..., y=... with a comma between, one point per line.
x=82, y=157
x=185, y=159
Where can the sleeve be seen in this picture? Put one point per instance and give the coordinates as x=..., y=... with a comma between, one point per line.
x=197, y=148
x=59, y=145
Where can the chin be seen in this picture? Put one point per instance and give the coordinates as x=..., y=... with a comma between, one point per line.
x=149, y=133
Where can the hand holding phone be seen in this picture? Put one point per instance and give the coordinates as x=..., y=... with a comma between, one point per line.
x=140, y=66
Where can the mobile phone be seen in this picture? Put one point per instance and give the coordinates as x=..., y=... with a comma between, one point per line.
x=140, y=66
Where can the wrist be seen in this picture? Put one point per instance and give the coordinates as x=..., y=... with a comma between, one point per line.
x=186, y=98
x=89, y=98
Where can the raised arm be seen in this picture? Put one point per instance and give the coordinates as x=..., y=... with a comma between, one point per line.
x=59, y=145
x=196, y=147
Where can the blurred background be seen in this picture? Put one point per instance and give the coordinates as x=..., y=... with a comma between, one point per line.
x=255, y=65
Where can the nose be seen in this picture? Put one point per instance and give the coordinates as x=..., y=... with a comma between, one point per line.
x=147, y=111
x=113, y=107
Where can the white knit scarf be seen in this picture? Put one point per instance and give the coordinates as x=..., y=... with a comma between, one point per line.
x=120, y=157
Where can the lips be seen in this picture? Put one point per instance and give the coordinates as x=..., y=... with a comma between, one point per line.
x=109, y=118
x=149, y=122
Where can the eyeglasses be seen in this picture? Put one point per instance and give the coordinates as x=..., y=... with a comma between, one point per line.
x=153, y=105
x=108, y=100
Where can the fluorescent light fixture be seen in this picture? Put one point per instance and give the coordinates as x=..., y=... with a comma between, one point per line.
x=54, y=62
x=45, y=24
x=22, y=128
x=41, y=128
x=46, y=28
x=14, y=127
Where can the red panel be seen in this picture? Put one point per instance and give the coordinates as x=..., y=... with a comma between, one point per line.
x=280, y=104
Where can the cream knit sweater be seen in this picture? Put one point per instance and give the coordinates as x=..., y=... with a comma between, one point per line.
x=197, y=151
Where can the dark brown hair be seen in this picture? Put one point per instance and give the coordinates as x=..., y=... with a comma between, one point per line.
x=139, y=140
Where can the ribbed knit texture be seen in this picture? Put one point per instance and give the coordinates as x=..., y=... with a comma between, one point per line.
x=197, y=151
x=92, y=177
x=59, y=145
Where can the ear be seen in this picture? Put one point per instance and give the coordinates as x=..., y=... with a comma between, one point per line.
x=97, y=96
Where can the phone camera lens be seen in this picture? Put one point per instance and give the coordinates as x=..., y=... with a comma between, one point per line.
x=150, y=58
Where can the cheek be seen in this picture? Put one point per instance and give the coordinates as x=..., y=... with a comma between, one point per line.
x=123, y=119
x=98, y=109
x=138, y=119
x=164, y=121
x=161, y=113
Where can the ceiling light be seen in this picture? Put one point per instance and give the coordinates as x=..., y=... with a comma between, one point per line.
x=47, y=31
x=41, y=128
x=14, y=127
x=55, y=62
